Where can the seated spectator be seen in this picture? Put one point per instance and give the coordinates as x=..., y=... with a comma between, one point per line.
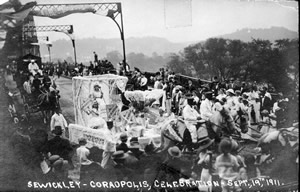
x=83, y=152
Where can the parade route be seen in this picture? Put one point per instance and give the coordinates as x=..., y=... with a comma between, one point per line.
x=66, y=99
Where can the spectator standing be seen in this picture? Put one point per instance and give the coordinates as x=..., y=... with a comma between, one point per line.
x=82, y=153
x=95, y=58
x=206, y=107
x=58, y=119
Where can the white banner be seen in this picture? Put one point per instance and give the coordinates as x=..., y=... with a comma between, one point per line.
x=94, y=137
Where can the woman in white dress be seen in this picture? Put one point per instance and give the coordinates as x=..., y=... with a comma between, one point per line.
x=98, y=95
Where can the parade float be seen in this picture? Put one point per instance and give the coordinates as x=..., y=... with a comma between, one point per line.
x=100, y=97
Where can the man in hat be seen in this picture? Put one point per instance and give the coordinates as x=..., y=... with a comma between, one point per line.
x=206, y=107
x=34, y=68
x=123, y=146
x=121, y=171
x=173, y=165
x=135, y=148
x=95, y=58
x=265, y=100
x=231, y=98
x=205, y=155
x=191, y=116
x=232, y=84
x=58, y=145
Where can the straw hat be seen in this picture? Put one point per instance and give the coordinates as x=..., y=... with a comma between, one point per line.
x=174, y=152
x=230, y=91
x=119, y=155
x=97, y=86
x=205, y=143
x=82, y=141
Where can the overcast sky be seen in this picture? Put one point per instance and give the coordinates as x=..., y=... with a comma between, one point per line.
x=177, y=20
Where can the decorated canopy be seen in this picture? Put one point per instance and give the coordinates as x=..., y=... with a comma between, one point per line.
x=95, y=96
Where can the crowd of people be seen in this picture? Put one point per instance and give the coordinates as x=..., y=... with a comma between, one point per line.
x=192, y=100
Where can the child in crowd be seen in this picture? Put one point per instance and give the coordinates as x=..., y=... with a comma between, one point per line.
x=226, y=164
x=82, y=153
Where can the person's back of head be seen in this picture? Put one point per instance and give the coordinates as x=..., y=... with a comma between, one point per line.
x=225, y=146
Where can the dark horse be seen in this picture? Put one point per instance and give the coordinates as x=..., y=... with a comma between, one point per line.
x=48, y=101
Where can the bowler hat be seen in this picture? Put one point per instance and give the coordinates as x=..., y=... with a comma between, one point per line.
x=123, y=137
x=134, y=140
x=189, y=96
x=97, y=86
x=208, y=93
x=57, y=130
x=230, y=91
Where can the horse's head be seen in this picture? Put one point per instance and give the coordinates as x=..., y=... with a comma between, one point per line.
x=172, y=133
x=227, y=120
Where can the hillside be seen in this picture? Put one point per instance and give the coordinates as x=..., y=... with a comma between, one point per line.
x=143, y=49
x=270, y=34
x=85, y=47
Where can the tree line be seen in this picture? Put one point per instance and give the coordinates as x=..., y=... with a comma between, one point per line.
x=259, y=60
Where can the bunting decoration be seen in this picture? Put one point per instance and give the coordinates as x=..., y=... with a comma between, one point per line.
x=10, y=18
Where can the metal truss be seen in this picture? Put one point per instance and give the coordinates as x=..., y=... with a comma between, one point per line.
x=33, y=28
x=116, y=7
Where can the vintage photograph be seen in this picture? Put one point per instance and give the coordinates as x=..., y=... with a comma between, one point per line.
x=149, y=95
